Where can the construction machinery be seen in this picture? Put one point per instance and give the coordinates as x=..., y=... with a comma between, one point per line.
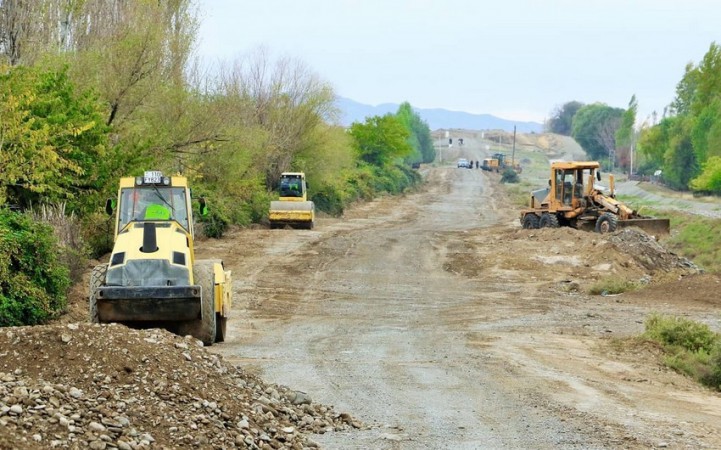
x=153, y=278
x=572, y=199
x=490, y=165
x=498, y=163
x=292, y=207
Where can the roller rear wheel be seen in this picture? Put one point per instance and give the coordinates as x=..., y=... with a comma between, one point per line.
x=97, y=279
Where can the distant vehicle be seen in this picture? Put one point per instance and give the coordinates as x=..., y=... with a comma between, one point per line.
x=463, y=162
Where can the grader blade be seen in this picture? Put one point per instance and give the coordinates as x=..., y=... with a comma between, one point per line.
x=650, y=226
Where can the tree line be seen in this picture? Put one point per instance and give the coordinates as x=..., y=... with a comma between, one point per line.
x=93, y=90
x=684, y=145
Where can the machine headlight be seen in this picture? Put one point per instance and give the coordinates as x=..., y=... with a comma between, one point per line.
x=117, y=258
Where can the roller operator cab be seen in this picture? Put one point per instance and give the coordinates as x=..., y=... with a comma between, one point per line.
x=153, y=279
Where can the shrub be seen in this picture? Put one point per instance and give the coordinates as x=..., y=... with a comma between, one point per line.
x=612, y=285
x=329, y=200
x=677, y=331
x=691, y=347
x=98, y=233
x=73, y=250
x=214, y=224
x=33, y=283
x=712, y=377
x=509, y=176
x=258, y=206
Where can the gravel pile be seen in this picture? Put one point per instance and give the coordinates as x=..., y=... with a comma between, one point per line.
x=107, y=386
x=648, y=253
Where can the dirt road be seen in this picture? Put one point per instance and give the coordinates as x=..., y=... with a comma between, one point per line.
x=440, y=324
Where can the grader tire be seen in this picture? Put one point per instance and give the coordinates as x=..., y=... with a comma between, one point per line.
x=530, y=222
x=549, y=221
x=97, y=278
x=607, y=223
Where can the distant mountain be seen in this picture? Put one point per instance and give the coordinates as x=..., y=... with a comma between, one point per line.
x=437, y=118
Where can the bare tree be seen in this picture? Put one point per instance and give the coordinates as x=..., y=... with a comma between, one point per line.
x=606, y=136
x=15, y=28
x=283, y=98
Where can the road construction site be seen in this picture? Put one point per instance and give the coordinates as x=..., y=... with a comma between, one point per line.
x=429, y=320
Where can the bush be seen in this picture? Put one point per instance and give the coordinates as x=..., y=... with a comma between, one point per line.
x=259, y=205
x=214, y=224
x=691, y=347
x=73, y=250
x=677, y=331
x=329, y=200
x=612, y=285
x=98, y=233
x=33, y=283
x=509, y=176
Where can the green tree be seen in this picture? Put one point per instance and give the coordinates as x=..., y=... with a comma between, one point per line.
x=710, y=178
x=625, y=135
x=284, y=99
x=680, y=163
x=706, y=131
x=594, y=128
x=690, y=138
x=708, y=83
x=420, y=135
x=561, y=120
x=52, y=138
x=685, y=90
x=381, y=140
x=653, y=143
x=33, y=285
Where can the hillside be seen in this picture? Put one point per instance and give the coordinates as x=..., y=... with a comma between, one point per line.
x=352, y=111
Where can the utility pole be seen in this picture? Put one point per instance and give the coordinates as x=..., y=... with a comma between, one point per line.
x=513, y=152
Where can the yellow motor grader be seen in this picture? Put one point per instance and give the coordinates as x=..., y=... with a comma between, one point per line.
x=292, y=207
x=153, y=278
x=572, y=199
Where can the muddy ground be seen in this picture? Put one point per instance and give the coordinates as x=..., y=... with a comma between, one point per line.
x=433, y=321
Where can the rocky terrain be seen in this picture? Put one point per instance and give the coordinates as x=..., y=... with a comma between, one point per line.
x=106, y=386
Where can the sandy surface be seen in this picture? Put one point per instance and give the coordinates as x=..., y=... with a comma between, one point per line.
x=437, y=321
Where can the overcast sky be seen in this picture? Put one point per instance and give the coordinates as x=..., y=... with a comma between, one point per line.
x=516, y=59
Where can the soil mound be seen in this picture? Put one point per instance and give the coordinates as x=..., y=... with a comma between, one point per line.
x=555, y=254
x=108, y=386
x=648, y=253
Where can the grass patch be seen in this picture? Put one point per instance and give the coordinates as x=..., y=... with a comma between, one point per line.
x=638, y=203
x=697, y=238
x=612, y=285
x=691, y=347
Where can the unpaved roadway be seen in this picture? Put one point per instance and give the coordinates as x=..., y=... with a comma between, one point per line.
x=440, y=324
